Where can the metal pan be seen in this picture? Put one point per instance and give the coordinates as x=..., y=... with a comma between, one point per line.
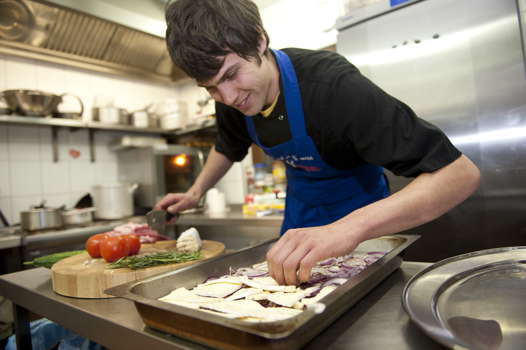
x=220, y=332
x=472, y=301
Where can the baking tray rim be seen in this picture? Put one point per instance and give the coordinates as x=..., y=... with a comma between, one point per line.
x=125, y=291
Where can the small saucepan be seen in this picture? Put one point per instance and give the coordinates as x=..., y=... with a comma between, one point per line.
x=77, y=217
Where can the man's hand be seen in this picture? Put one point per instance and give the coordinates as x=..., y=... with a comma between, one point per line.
x=177, y=202
x=427, y=197
x=299, y=250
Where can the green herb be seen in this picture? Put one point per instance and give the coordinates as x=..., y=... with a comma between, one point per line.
x=140, y=262
x=50, y=260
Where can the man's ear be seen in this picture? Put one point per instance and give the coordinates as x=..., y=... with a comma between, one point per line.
x=262, y=44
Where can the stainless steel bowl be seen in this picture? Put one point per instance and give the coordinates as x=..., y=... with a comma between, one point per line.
x=31, y=102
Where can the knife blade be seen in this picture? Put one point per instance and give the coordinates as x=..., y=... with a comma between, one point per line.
x=157, y=220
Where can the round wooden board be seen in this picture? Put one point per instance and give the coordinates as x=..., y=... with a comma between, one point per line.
x=80, y=276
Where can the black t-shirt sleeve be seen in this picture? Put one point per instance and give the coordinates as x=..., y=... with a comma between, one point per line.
x=232, y=138
x=384, y=131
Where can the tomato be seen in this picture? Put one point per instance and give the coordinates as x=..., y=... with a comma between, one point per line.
x=114, y=248
x=134, y=242
x=93, y=244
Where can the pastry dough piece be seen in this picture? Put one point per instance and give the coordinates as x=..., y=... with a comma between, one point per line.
x=251, y=311
x=266, y=283
x=244, y=293
x=323, y=292
x=289, y=299
x=219, y=288
x=184, y=297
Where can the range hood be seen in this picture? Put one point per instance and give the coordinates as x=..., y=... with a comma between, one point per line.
x=95, y=35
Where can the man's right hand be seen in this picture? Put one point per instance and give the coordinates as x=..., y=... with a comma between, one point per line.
x=177, y=202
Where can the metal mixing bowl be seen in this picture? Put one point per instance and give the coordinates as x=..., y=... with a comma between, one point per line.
x=31, y=102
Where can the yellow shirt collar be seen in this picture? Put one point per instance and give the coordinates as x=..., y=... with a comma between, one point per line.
x=266, y=112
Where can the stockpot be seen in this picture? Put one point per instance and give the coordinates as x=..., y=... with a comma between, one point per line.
x=113, y=201
x=41, y=218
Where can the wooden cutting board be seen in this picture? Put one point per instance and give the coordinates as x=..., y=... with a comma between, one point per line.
x=80, y=276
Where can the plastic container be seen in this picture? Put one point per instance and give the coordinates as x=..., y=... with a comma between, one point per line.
x=279, y=172
x=215, y=201
x=260, y=172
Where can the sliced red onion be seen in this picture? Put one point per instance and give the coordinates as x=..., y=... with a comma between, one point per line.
x=348, y=266
x=317, y=278
x=371, y=259
x=334, y=269
x=250, y=272
x=314, y=292
x=326, y=262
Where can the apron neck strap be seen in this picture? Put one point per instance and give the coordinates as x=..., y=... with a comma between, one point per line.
x=291, y=91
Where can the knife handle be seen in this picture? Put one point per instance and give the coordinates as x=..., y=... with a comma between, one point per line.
x=170, y=216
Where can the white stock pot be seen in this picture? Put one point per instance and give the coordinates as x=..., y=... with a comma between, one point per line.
x=113, y=201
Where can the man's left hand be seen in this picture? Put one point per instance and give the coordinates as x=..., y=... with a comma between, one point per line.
x=292, y=258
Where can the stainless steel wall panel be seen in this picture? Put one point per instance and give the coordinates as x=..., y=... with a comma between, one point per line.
x=460, y=65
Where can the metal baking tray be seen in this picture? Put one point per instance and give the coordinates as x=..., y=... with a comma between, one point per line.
x=472, y=301
x=224, y=333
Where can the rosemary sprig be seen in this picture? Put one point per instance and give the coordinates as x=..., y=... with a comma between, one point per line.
x=162, y=258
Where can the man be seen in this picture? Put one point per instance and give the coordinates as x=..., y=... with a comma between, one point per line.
x=334, y=129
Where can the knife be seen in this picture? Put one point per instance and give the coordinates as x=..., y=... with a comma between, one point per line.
x=157, y=220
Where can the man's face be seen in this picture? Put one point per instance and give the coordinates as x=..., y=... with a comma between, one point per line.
x=241, y=84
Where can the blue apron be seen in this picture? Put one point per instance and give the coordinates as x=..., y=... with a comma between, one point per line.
x=317, y=194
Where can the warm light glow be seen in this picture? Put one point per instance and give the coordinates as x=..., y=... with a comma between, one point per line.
x=180, y=160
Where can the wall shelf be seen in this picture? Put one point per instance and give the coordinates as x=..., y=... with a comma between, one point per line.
x=56, y=123
x=208, y=123
x=73, y=123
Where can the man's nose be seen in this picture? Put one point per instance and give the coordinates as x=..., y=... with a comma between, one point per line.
x=228, y=94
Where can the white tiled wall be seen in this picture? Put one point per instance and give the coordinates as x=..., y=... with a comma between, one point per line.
x=27, y=171
x=28, y=174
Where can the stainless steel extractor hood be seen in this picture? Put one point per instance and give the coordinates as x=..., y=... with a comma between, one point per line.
x=105, y=36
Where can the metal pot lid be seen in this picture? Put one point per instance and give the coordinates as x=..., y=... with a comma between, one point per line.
x=472, y=301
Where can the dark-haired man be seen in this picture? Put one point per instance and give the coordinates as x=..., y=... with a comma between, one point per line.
x=334, y=129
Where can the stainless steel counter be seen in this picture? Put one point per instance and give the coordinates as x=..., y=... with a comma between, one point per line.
x=232, y=217
x=9, y=241
x=376, y=322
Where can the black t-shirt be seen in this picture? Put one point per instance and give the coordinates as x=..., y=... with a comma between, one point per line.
x=350, y=119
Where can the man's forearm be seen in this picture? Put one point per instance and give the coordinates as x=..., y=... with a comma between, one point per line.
x=215, y=167
x=427, y=197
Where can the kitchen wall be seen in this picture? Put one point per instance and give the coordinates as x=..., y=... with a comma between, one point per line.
x=27, y=171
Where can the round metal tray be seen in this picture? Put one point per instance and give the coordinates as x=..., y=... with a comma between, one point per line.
x=472, y=301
